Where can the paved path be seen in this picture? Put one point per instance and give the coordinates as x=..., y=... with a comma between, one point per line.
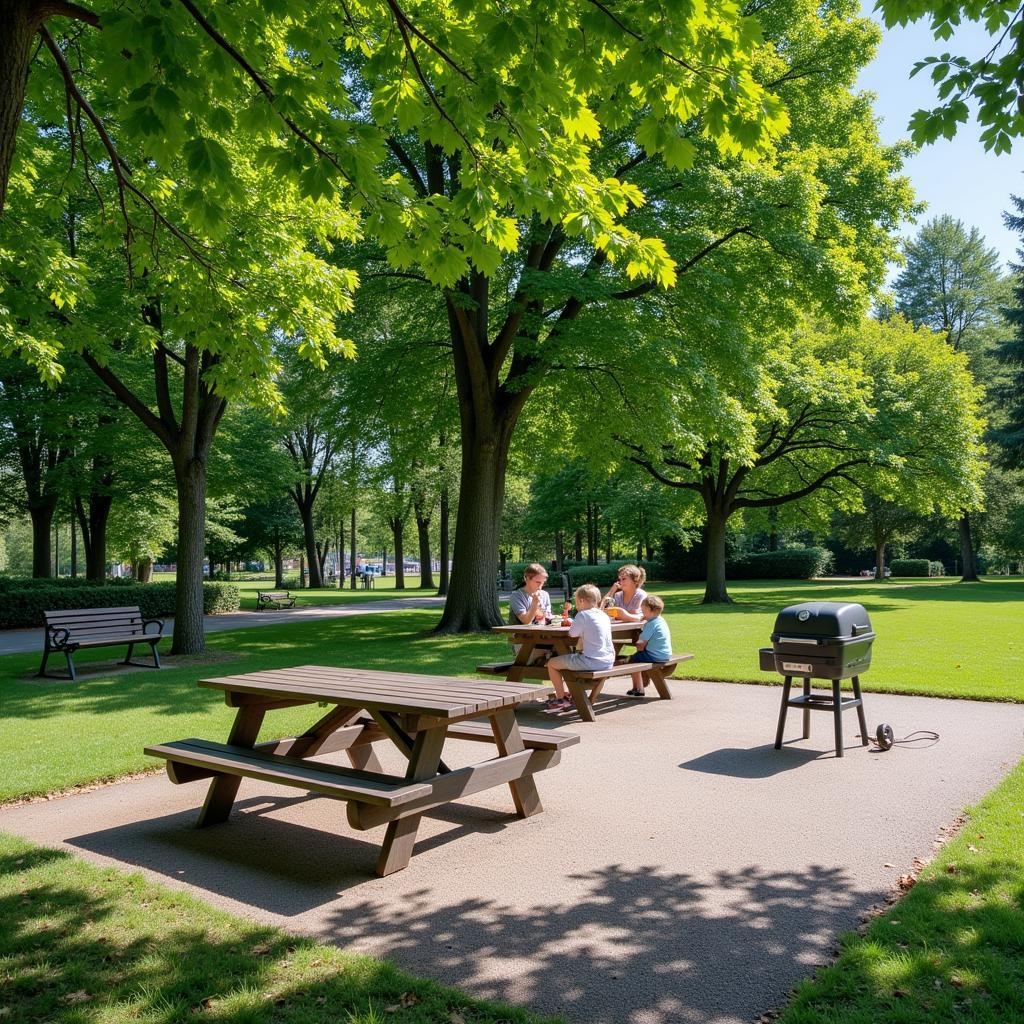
x=18, y=641
x=683, y=871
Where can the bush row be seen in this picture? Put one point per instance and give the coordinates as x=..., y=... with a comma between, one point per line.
x=581, y=572
x=9, y=583
x=916, y=567
x=790, y=564
x=24, y=608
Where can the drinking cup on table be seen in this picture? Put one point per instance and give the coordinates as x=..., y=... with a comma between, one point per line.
x=613, y=611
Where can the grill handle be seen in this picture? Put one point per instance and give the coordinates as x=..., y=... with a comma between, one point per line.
x=796, y=640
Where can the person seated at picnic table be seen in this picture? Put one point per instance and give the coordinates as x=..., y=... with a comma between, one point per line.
x=531, y=603
x=626, y=593
x=654, y=646
x=595, y=649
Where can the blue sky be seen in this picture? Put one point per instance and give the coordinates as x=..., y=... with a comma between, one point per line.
x=956, y=177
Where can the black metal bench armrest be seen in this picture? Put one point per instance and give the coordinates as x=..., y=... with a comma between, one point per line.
x=159, y=623
x=55, y=640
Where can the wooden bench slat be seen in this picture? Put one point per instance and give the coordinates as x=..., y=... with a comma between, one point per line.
x=495, y=668
x=89, y=613
x=330, y=780
x=533, y=738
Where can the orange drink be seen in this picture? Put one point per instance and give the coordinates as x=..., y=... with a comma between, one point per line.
x=613, y=611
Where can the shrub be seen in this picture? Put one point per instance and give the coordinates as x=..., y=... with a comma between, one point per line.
x=910, y=567
x=605, y=575
x=789, y=564
x=9, y=583
x=23, y=608
x=936, y=569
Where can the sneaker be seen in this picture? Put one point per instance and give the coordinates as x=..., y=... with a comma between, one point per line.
x=553, y=704
x=635, y=693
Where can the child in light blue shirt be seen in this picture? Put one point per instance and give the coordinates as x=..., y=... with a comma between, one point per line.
x=655, y=643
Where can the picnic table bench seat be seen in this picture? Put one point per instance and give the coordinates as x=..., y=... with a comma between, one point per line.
x=74, y=629
x=274, y=599
x=580, y=682
x=495, y=668
x=192, y=759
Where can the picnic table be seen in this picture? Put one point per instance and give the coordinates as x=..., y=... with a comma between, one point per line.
x=584, y=687
x=555, y=636
x=416, y=713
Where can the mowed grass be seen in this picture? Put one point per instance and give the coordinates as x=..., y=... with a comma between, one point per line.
x=936, y=638
x=86, y=945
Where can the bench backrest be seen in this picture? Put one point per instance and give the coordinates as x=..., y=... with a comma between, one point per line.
x=275, y=595
x=89, y=623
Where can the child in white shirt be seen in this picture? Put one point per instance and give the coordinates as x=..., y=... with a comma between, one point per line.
x=596, y=650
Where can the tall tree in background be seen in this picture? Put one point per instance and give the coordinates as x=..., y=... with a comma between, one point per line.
x=952, y=283
x=1009, y=431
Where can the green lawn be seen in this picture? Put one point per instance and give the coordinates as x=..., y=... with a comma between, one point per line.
x=935, y=637
x=85, y=945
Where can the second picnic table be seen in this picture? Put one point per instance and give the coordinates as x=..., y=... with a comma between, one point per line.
x=556, y=637
x=417, y=713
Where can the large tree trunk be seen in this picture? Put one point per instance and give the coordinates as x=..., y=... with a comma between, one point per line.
x=577, y=547
x=41, y=513
x=74, y=549
x=190, y=479
x=93, y=522
x=880, y=559
x=309, y=540
x=423, y=533
x=715, y=591
x=19, y=20
x=970, y=573
x=398, y=533
x=472, y=604
x=278, y=561
x=352, y=544
x=445, y=553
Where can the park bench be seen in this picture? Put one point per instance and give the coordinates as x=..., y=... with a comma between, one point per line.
x=71, y=630
x=580, y=682
x=273, y=599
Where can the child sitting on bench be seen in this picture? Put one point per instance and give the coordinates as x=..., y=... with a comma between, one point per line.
x=596, y=650
x=655, y=643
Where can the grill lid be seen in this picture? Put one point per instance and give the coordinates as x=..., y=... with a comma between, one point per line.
x=825, y=620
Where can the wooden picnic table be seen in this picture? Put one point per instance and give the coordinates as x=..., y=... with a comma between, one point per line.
x=417, y=713
x=557, y=637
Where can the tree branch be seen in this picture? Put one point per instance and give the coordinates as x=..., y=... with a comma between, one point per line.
x=128, y=397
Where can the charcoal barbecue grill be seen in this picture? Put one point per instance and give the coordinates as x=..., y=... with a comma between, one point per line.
x=820, y=640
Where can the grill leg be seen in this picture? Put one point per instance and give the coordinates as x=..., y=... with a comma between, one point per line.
x=782, y=712
x=860, y=711
x=807, y=710
x=837, y=713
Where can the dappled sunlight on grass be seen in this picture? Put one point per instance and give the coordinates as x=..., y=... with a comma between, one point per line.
x=82, y=944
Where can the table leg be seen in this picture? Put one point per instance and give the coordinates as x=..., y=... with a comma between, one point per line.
x=522, y=662
x=509, y=741
x=313, y=738
x=580, y=697
x=400, y=837
x=224, y=788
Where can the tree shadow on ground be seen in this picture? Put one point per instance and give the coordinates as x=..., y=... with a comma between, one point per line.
x=602, y=944
x=75, y=949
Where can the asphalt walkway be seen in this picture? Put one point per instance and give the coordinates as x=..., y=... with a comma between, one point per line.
x=683, y=870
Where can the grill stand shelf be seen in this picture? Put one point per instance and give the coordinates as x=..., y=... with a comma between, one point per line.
x=834, y=702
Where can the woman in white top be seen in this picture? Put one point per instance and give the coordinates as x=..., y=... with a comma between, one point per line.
x=627, y=593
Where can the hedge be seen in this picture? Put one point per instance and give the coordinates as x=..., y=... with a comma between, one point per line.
x=24, y=607
x=604, y=575
x=789, y=564
x=910, y=567
x=9, y=583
